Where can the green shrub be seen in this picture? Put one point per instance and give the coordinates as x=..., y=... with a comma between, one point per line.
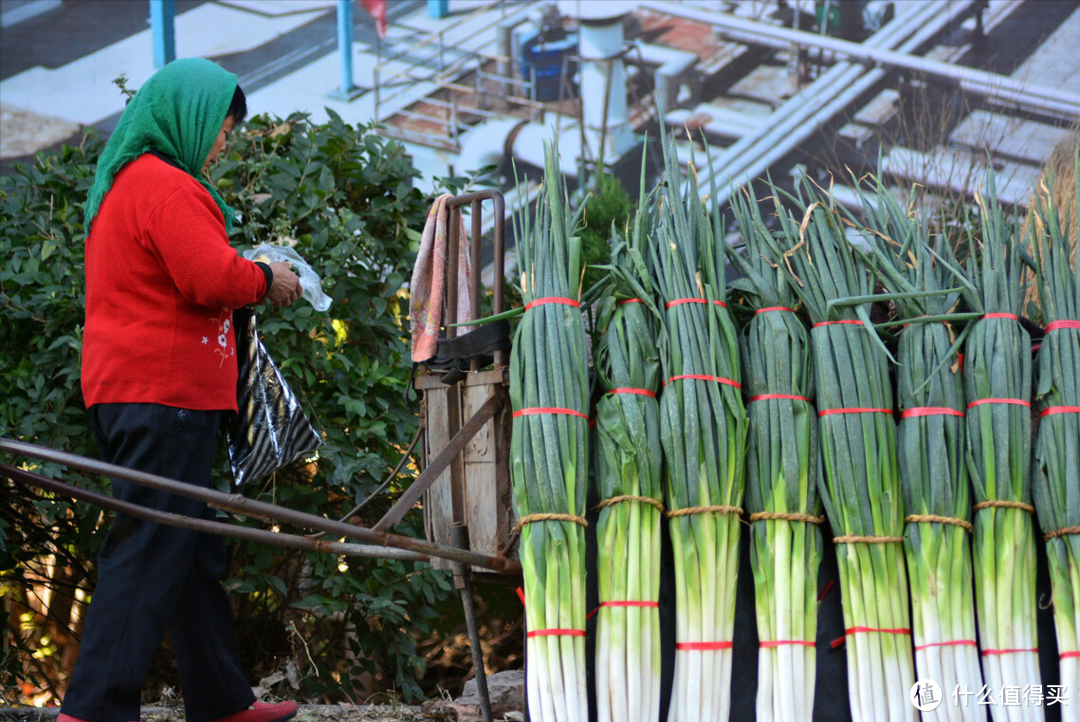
x=608, y=204
x=344, y=197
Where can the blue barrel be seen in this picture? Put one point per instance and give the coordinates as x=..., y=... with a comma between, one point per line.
x=545, y=58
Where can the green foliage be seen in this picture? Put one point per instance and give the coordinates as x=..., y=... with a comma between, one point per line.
x=608, y=204
x=343, y=197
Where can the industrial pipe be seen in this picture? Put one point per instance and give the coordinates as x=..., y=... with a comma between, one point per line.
x=208, y=526
x=777, y=140
x=773, y=137
x=972, y=80
x=250, y=507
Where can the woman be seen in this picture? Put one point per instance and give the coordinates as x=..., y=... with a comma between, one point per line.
x=158, y=373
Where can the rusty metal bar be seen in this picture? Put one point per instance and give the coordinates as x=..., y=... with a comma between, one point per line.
x=452, y=252
x=475, y=289
x=438, y=464
x=455, y=409
x=463, y=582
x=208, y=526
x=250, y=507
x=496, y=198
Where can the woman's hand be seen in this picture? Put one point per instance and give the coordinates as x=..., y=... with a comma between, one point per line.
x=285, y=288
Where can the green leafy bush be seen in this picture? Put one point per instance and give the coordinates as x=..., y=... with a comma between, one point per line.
x=343, y=197
x=607, y=204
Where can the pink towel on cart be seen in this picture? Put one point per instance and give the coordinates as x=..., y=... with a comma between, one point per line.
x=428, y=287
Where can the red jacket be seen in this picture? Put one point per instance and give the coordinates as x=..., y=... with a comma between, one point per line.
x=161, y=283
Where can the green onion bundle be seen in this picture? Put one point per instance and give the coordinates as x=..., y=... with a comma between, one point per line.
x=703, y=433
x=932, y=449
x=997, y=385
x=549, y=392
x=1056, y=467
x=781, y=475
x=861, y=485
x=628, y=472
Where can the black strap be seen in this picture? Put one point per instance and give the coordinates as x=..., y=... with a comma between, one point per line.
x=454, y=355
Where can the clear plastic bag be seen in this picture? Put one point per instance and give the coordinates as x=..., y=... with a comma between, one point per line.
x=309, y=280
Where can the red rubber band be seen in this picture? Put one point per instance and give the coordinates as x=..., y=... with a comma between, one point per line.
x=838, y=323
x=1060, y=410
x=702, y=646
x=631, y=300
x=1010, y=316
x=651, y=605
x=957, y=643
x=642, y=392
x=1058, y=325
x=552, y=299
x=774, y=308
x=681, y=301
x=521, y=595
x=767, y=397
x=547, y=410
x=1069, y=655
x=591, y=614
x=830, y=412
x=860, y=630
x=704, y=377
x=556, y=633
x=1035, y=347
x=782, y=642
x=930, y=411
x=1014, y=402
x=825, y=590
x=989, y=652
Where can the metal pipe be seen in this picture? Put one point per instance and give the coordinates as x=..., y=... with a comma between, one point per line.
x=971, y=80
x=462, y=580
x=802, y=104
x=250, y=507
x=499, y=240
x=777, y=140
x=163, y=29
x=208, y=526
x=345, y=41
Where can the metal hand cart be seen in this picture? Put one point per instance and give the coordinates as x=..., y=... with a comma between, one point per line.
x=465, y=479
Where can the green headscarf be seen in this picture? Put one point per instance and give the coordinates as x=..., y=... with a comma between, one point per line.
x=177, y=112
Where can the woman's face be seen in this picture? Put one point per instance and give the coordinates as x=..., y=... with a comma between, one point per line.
x=219, y=142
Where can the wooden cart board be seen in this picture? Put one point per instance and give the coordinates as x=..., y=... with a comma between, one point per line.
x=481, y=473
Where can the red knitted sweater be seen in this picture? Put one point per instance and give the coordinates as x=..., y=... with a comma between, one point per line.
x=161, y=283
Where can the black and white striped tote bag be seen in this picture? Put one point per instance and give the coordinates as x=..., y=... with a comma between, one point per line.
x=270, y=430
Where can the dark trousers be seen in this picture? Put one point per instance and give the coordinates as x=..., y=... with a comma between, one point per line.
x=153, y=577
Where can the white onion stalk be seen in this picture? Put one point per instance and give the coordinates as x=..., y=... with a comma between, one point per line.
x=628, y=473
x=549, y=393
x=861, y=484
x=931, y=437
x=997, y=384
x=781, y=475
x=1055, y=470
x=703, y=430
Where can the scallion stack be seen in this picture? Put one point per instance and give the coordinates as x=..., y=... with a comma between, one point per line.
x=781, y=474
x=861, y=485
x=628, y=472
x=1056, y=464
x=997, y=385
x=932, y=448
x=549, y=392
x=703, y=432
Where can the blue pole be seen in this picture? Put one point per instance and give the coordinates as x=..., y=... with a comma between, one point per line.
x=163, y=29
x=345, y=39
x=438, y=9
